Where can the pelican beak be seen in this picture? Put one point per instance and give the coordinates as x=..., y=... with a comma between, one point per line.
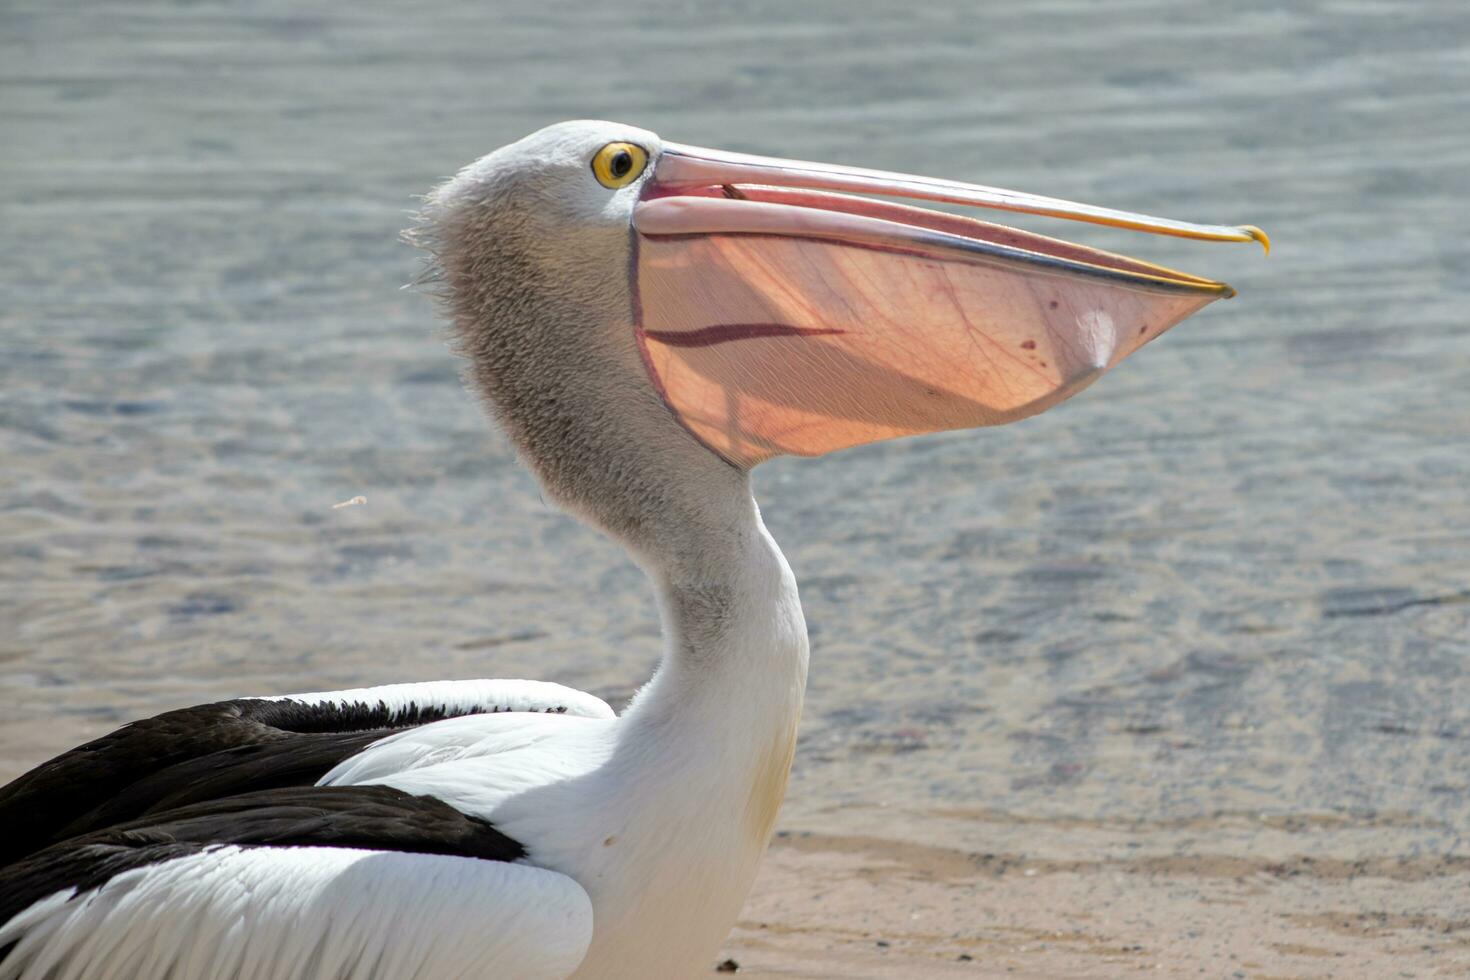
x=779, y=313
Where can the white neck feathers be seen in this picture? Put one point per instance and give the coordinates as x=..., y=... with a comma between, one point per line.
x=734, y=671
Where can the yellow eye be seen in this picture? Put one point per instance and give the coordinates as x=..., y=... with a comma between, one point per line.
x=619, y=164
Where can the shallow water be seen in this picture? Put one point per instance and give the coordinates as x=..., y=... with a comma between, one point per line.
x=1218, y=604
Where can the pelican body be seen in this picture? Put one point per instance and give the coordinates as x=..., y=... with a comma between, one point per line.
x=647, y=322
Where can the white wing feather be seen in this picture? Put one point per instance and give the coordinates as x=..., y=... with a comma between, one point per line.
x=505, y=737
x=308, y=913
x=483, y=694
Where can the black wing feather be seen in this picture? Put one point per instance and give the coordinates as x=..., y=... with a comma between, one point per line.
x=187, y=756
x=370, y=817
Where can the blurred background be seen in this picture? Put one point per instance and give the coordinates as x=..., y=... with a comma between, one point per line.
x=1171, y=678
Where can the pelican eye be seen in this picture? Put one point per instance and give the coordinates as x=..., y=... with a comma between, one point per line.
x=619, y=164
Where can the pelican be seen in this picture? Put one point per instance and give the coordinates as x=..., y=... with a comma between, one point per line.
x=647, y=321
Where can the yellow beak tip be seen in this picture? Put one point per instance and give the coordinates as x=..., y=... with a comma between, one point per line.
x=1256, y=234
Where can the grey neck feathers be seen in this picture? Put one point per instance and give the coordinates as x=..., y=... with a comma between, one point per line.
x=545, y=320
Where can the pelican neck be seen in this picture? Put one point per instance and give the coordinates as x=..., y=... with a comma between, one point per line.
x=733, y=628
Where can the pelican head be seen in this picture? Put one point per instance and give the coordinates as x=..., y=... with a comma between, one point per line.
x=648, y=319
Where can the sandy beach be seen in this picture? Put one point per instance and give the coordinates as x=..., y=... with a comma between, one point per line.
x=866, y=907
x=1170, y=681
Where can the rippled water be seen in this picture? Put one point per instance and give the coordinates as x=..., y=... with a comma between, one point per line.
x=1221, y=600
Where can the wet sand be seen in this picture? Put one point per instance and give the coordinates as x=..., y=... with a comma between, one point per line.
x=1191, y=648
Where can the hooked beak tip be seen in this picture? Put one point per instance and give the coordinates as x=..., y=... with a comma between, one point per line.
x=1256, y=234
